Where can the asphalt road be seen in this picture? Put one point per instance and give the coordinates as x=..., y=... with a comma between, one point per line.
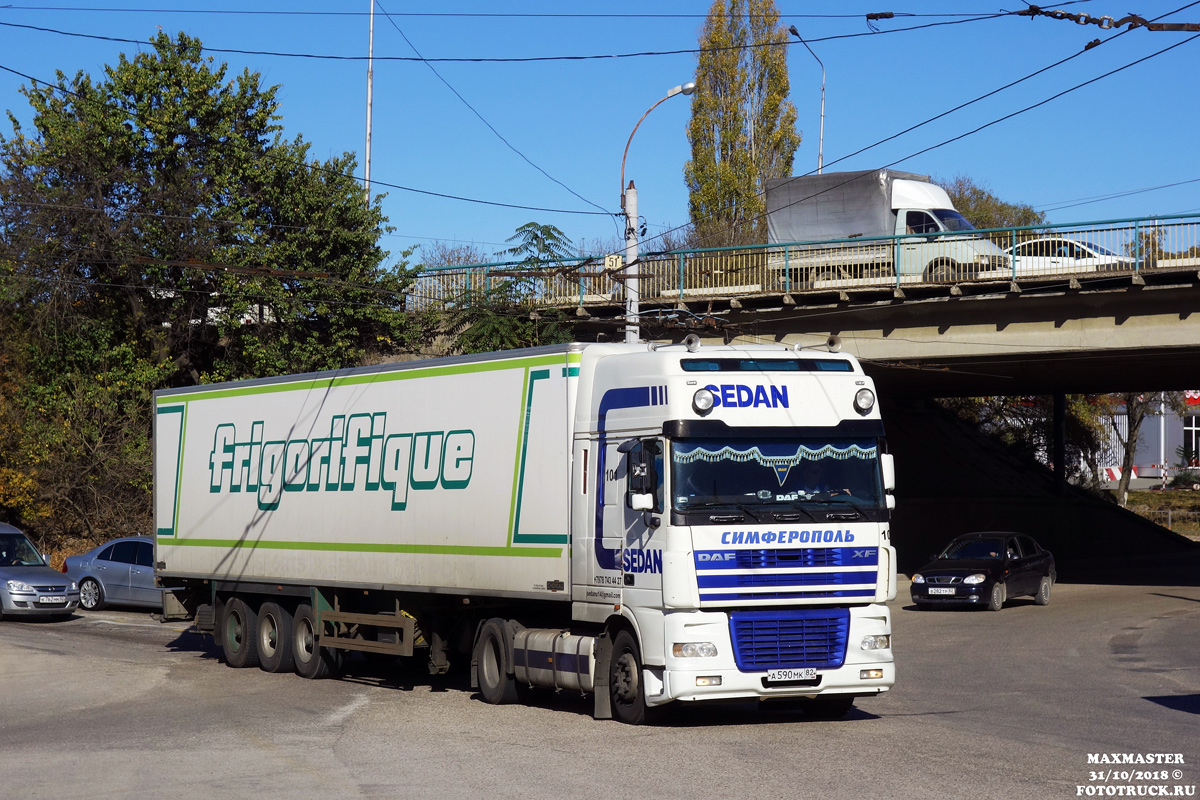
x=1008, y=704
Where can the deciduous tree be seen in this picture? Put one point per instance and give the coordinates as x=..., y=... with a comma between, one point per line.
x=743, y=127
x=157, y=229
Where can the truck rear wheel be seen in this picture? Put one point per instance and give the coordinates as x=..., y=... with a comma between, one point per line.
x=275, y=638
x=496, y=683
x=306, y=652
x=943, y=271
x=239, y=629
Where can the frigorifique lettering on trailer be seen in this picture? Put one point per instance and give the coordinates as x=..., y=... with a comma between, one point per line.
x=358, y=454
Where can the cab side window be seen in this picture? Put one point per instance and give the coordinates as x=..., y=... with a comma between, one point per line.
x=920, y=222
x=645, y=471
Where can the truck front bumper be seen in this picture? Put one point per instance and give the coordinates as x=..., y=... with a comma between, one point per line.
x=862, y=672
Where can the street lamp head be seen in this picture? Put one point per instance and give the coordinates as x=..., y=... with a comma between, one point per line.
x=686, y=88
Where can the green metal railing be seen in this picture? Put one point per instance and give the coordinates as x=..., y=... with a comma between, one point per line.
x=1042, y=253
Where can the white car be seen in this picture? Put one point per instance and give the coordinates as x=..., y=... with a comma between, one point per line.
x=1053, y=255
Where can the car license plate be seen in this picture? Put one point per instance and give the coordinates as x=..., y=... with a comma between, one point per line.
x=941, y=590
x=52, y=598
x=799, y=674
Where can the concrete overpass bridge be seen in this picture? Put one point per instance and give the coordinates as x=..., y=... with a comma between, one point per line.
x=1096, y=307
x=1095, y=322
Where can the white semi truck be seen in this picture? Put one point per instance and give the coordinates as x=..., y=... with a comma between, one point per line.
x=872, y=227
x=645, y=523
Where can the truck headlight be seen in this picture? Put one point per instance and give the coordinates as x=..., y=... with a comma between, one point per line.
x=703, y=401
x=876, y=642
x=864, y=400
x=694, y=650
x=978, y=577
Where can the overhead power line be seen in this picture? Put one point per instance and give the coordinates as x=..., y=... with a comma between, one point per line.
x=474, y=111
x=317, y=167
x=510, y=60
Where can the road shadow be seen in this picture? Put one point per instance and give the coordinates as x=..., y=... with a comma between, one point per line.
x=1187, y=703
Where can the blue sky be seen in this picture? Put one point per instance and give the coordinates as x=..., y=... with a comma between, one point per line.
x=1130, y=131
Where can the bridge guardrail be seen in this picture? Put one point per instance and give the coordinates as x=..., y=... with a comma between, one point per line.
x=1029, y=254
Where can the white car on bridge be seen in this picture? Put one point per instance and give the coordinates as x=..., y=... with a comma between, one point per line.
x=1057, y=255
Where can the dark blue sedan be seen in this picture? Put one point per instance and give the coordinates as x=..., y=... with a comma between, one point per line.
x=986, y=569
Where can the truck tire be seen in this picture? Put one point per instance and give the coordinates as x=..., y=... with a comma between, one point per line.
x=275, y=638
x=311, y=662
x=239, y=628
x=625, y=684
x=943, y=271
x=496, y=683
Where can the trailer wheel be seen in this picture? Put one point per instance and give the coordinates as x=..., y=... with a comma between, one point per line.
x=625, y=684
x=496, y=683
x=310, y=661
x=240, y=634
x=275, y=638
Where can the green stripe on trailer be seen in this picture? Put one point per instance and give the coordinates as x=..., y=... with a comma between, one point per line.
x=357, y=378
x=368, y=547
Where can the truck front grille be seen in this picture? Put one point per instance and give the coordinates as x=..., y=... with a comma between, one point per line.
x=765, y=640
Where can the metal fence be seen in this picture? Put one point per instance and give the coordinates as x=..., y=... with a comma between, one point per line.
x=1043, y=253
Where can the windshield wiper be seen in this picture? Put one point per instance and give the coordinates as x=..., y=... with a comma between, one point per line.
x=846, y=500
x=793, y=517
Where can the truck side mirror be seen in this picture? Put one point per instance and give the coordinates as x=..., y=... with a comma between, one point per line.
x=888, y=462
x=641, y=502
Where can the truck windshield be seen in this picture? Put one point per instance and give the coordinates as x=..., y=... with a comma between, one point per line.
x=778, y=472
x=952, y=220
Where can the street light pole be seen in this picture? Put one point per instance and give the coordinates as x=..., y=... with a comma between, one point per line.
x=629, y=205
x=821, y=141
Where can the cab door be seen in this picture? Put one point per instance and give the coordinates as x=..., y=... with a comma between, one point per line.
x=644, y=497
x=914, y=252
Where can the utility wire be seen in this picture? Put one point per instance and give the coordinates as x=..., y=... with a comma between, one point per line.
x=1059, y=206
x=1000, y=119
x=474, y=111
x=316, y=166
x=450, y=14
x=520, y=60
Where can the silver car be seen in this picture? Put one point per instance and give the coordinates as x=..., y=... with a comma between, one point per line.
x=120, y=571
x=28, y=587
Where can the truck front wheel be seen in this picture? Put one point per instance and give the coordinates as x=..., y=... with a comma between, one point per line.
x=625, y=684
x=496, y=683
